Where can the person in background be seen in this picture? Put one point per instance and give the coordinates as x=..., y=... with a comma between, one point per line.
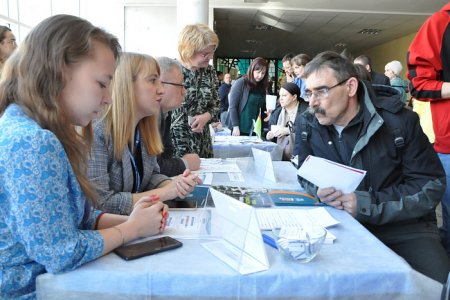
x=392, y=70
x=47, y=223
x=190, y=131
x=7, y=44
x=123, y=164
x=429, y=74
x=377, y=78
x=396, y=201
x=224, y=90
x=362, y=72
x=174, y=92
x=298, y=63
x=282, y=121
x=287, y=67
x=248, y=97
x=220, y=77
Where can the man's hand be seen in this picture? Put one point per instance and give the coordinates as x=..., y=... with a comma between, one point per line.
x=338, y=200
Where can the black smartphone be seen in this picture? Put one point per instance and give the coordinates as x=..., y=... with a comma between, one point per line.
x=150, y=247
x=181, y=204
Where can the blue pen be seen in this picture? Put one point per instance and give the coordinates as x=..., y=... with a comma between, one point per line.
x=269, y=241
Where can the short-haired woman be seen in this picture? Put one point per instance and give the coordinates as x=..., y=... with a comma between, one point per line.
x=282, y=121
x=190, y=131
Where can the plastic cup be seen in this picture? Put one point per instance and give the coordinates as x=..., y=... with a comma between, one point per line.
x=300, y=244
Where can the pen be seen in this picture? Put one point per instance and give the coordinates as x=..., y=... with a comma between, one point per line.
x=269, y=241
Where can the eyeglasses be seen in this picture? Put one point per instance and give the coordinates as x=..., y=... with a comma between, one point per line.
x=176, y=84
x=11, y=42
x=206, y=54
x=322, y=92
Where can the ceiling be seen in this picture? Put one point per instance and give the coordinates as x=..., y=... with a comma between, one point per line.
x=274, y=28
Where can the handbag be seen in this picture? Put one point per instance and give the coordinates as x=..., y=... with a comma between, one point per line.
x=287, y=142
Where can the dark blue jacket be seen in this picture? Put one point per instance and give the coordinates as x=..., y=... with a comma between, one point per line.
x=404, y=181
x=224, y=89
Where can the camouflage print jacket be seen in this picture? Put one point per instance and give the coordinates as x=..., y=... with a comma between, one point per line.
x=202, y=96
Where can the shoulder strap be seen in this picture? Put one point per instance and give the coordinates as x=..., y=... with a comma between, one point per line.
x=305, y=130
x=396, y=127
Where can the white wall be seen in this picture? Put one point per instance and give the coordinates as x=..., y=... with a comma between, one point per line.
x=151, y=30
x=23, y=15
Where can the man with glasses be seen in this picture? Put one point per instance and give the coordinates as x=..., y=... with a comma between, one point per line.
x=7, y=44
x=351, y=124
x=174, y=92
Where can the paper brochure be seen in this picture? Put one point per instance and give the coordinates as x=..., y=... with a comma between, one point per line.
x=325, y=173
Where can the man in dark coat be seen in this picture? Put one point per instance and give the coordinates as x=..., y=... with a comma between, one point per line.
x=348, y=123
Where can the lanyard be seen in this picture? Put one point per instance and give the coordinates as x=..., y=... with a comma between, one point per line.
x=137, y=176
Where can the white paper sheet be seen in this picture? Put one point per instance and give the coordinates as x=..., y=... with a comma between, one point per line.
x=190, y=224
x=263, y=164
x=269, y=218
x=215, y=165
x=325, y=173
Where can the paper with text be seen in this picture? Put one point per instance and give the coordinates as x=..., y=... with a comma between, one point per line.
x=287, y=217
x=269, y=218
x=215, y=165
x=190, y=224
x=325, y=173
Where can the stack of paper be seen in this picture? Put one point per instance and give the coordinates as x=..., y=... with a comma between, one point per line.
x=278, y=218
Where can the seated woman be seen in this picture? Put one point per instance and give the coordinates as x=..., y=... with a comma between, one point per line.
x=248, y=97
x=127, y=141
x=46, y=220
x=392, y=70
x=282, y=119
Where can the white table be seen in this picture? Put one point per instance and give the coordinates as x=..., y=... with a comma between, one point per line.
x=356, y=266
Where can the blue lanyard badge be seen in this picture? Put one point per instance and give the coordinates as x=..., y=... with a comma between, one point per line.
x=137, y=175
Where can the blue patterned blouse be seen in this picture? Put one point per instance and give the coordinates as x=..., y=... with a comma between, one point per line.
x=42, y=208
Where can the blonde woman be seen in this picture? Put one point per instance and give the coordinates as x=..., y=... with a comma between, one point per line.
x=190, y=131
x=46, y=219
x=126, y=141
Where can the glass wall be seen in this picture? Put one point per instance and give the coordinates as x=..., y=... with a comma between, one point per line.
x=238, y=67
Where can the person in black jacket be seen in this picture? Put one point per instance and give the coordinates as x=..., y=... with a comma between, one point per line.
x=349, y=123
x=224, y=90
x=174, y=91
x=282, y=120
x=377, y=78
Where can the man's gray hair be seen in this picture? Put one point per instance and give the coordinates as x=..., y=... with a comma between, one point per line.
x=166, y=64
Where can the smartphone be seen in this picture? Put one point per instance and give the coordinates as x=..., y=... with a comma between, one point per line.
x=150, y=247
x=181, y=204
